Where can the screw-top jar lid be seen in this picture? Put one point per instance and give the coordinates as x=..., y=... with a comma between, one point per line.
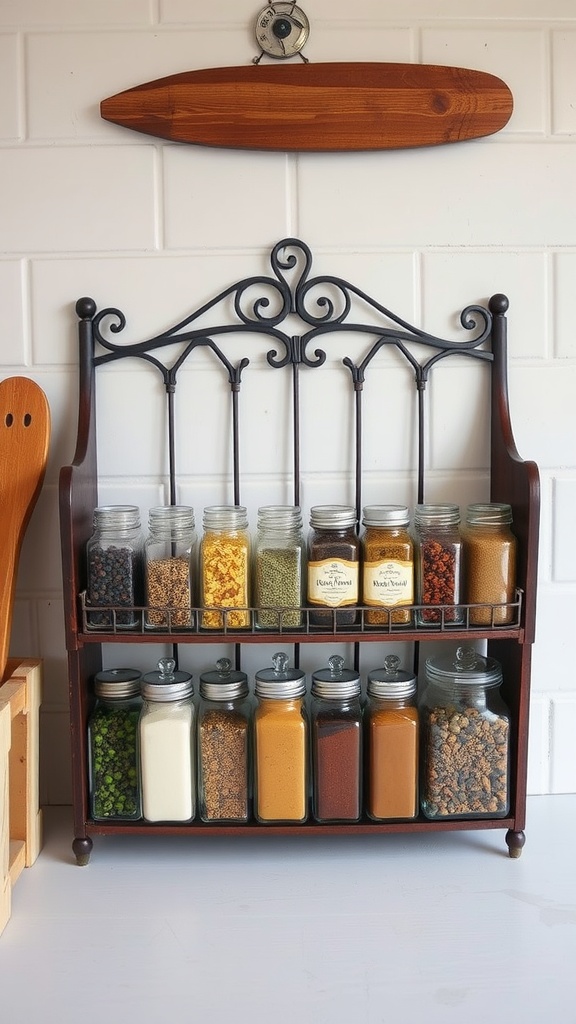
x=223, y=683
x=280, y=682
x=385, y=515
x=113, y=517
x=171, y=519
x=436, y=515
x=335, y=681
x=391, y=682
x=494, y=513
x=166, y=684
x=117, y=683
x=465, y=667
x=225, y=517
x=332, y=517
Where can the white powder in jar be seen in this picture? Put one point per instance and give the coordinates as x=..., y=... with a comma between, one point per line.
x=167, y=761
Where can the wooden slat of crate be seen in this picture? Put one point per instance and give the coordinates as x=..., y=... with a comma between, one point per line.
x=20, y=814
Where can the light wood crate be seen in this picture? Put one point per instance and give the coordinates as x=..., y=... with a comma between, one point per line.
x=20, y=814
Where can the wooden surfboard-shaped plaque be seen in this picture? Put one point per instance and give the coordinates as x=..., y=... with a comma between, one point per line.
x=332, y=107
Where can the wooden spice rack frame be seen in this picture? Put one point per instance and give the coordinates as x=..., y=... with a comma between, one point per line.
x=324, y=306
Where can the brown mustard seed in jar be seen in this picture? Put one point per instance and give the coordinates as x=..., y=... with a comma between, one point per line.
x=490, y=563
x=388, y=565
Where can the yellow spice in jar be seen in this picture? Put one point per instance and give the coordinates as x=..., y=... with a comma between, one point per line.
x=224, y=574
x=281, y=758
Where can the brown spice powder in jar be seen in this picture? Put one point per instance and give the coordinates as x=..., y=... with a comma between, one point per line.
x=333, y=565
x=490, y=562
x=392, y=742
x=387, y=565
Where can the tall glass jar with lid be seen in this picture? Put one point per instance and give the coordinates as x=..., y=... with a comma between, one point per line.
x=336, y=742
x=387, y=565
x=169, y=561
x=392, y=741
x=333, y=566
x=490, y=559
x=279, y=561
x=225, y=568
x=224, y=745
x=113, y=754
x=114, y=556
x=167, y=744
x=465, y=738
x=281, y=743
x=439, y=565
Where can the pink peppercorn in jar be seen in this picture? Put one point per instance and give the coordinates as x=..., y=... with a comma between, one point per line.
x=439, y=565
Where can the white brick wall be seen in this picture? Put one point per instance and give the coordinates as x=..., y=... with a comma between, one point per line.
x=89, y=208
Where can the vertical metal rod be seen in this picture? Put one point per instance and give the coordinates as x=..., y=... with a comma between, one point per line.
x=170, y=391
x=235, y=444
x=296, y=428
x=420, y=390
x=358, y=491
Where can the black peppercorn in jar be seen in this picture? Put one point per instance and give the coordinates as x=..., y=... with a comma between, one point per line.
x=439, y=565
x=113, y=756
x=114, y=556
x=224, y=745
x=333, y=565
x=465, y=729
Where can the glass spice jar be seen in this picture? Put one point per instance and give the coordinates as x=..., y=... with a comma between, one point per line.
x=387, y=565
x=280, y=743
x=224, y=745
x=279, y=558
x=169, y=560
x=392, y=740
x=490, y=563
x=113, y=754
x=225, y=568
x=333, y=566
x=167, y=748
x=336, y=742
x=114, y=557
x=465, y=738
x=438, y=565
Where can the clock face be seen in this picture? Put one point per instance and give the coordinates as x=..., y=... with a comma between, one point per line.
x=282, y=29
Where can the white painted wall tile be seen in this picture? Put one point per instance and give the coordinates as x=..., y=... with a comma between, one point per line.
x=55, y=772
x=421, y=10
x=408, y=198
x=453, y=280
x=564, y=278
x=224, y=199
x=517, y=57
x=70, y=109
x=59, y=13
x=459, y=423
x=77, y=199
x=564, y=57
x=544, y=431
x=54, y=663
x=555, y=617
x=40, y=567
x=368, y=42
x=563, y=762
x=10, y=127
x=564, y=505
x=13, y=340
x=539, y=746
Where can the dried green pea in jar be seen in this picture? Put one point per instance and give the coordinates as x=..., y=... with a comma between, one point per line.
x=279, y=561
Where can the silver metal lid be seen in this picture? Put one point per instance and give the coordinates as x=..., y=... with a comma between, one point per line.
x=335, y=681
x=280, y=681
x=391, y=682
x=223, y=683
x=332, y=517
x=385, y=515
x=464, y=667
x=166, y=684
x=115, y=683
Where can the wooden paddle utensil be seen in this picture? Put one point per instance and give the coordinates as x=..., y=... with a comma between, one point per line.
x=24, y=441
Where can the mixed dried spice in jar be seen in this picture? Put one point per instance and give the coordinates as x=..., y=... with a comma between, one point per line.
x=387, y=565
x=224, y=745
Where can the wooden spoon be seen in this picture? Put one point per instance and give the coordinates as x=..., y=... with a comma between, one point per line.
x=24, y=440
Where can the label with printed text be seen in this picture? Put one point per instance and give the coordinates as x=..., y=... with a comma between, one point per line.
x=333, y=582
x=388, y=583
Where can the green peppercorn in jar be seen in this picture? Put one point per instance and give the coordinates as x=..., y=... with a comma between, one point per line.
x=113, y=756
x=279, y=560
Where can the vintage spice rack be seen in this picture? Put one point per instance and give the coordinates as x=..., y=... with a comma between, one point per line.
x=268, y=305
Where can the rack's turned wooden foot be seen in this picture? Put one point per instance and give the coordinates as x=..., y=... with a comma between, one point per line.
x=515, y=841
x=82, y=847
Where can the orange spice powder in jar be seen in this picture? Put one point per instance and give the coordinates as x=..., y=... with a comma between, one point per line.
x=387, y=565
x=280, y=744
x=490, y=563
x=392, y=738
x=225, y=567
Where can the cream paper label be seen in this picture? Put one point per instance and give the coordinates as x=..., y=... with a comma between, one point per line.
x=333, y=582
x=388, y=583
